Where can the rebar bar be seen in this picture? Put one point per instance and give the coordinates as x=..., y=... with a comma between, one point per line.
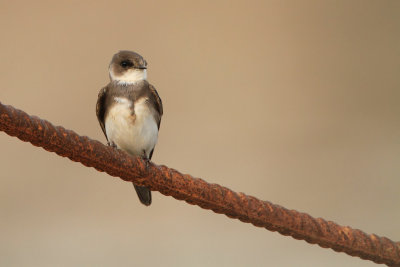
x=196, y=191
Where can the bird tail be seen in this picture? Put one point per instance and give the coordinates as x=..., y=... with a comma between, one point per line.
x=144, y=194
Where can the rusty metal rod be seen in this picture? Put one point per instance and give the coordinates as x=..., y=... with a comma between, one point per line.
x=196, y=191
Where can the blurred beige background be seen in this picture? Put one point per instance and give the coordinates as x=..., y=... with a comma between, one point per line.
x=295, y=102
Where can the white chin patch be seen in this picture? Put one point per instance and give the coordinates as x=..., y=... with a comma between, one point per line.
x=130, y=76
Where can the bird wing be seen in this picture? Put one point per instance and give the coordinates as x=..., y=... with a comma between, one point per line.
x=157, y=104
x=100, y=108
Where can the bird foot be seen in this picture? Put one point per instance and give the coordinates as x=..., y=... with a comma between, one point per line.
x=146, y=160
x=111, y=144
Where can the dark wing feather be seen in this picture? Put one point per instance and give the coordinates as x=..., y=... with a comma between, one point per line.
x=100, y=108
x=157, y=103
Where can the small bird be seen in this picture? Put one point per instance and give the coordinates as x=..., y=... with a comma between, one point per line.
x=129, y=110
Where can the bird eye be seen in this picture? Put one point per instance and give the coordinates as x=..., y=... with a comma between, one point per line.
x=126, y=63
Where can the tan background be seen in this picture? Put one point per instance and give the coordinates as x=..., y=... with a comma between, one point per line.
x=295, y=102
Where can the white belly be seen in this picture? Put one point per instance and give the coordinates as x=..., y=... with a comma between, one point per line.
x=134, y=135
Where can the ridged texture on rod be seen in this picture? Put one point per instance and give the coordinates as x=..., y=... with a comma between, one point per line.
x=195, y=191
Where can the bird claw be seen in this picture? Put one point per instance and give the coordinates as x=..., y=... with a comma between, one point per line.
x=111, y=144
x=146, y=160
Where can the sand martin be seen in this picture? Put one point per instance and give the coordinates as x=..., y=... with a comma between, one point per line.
x=129, y=110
